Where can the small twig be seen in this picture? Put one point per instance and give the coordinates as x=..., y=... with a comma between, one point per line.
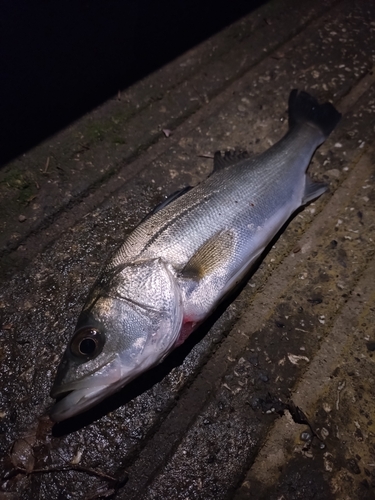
x=298, y=416
x=206, y=156
x=62, y=468
x=46, y=167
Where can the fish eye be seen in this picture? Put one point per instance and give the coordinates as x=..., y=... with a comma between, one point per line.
x=87, y=343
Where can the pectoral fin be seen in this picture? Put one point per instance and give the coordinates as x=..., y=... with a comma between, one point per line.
x=211, y=257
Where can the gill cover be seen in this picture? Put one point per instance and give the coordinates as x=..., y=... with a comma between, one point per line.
x=130, y=322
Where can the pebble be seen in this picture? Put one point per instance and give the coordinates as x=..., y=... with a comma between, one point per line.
x=306, y=436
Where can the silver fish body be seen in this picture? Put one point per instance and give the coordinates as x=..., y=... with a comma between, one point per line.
x=176, y=266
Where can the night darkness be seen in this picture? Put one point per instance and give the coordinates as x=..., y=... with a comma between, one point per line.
x=60, y=59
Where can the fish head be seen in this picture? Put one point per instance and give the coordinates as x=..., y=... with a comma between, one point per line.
x=130, y=322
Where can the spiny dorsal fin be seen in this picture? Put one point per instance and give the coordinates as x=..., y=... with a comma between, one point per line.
x=167, y=201
x=210, y=256
x=229, y=158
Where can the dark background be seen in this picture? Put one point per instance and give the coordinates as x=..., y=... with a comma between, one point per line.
x=61, y=58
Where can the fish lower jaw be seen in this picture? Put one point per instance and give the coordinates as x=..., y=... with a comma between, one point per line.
x=86, y=394
x=77, y=401
x=81, y=395
x=77, y=397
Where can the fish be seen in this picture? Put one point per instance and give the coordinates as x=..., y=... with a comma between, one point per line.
x=178, y=264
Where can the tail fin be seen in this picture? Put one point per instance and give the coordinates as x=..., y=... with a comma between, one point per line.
x=305, y=108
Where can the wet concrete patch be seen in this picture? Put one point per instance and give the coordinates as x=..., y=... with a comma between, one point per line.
x=335, y=395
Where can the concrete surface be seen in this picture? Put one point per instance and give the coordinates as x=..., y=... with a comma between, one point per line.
x=274, y=397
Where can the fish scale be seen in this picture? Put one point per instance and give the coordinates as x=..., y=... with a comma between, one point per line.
x=181, y=261
x=239, y=197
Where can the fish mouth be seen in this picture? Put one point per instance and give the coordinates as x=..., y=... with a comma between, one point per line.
x=60, y=395
x=80, y=395
x=71, y=403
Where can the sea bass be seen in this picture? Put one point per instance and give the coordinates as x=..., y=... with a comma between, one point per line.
x=175, y=267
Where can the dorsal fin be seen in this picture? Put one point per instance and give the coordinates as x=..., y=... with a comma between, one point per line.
x=229, y=158
x=167, y=201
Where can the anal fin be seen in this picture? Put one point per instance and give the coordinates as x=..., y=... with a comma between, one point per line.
x=313, y=190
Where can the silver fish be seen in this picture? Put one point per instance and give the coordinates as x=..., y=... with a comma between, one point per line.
x=178, y=264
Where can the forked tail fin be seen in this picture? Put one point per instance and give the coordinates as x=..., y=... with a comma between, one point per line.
x=305, y=108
